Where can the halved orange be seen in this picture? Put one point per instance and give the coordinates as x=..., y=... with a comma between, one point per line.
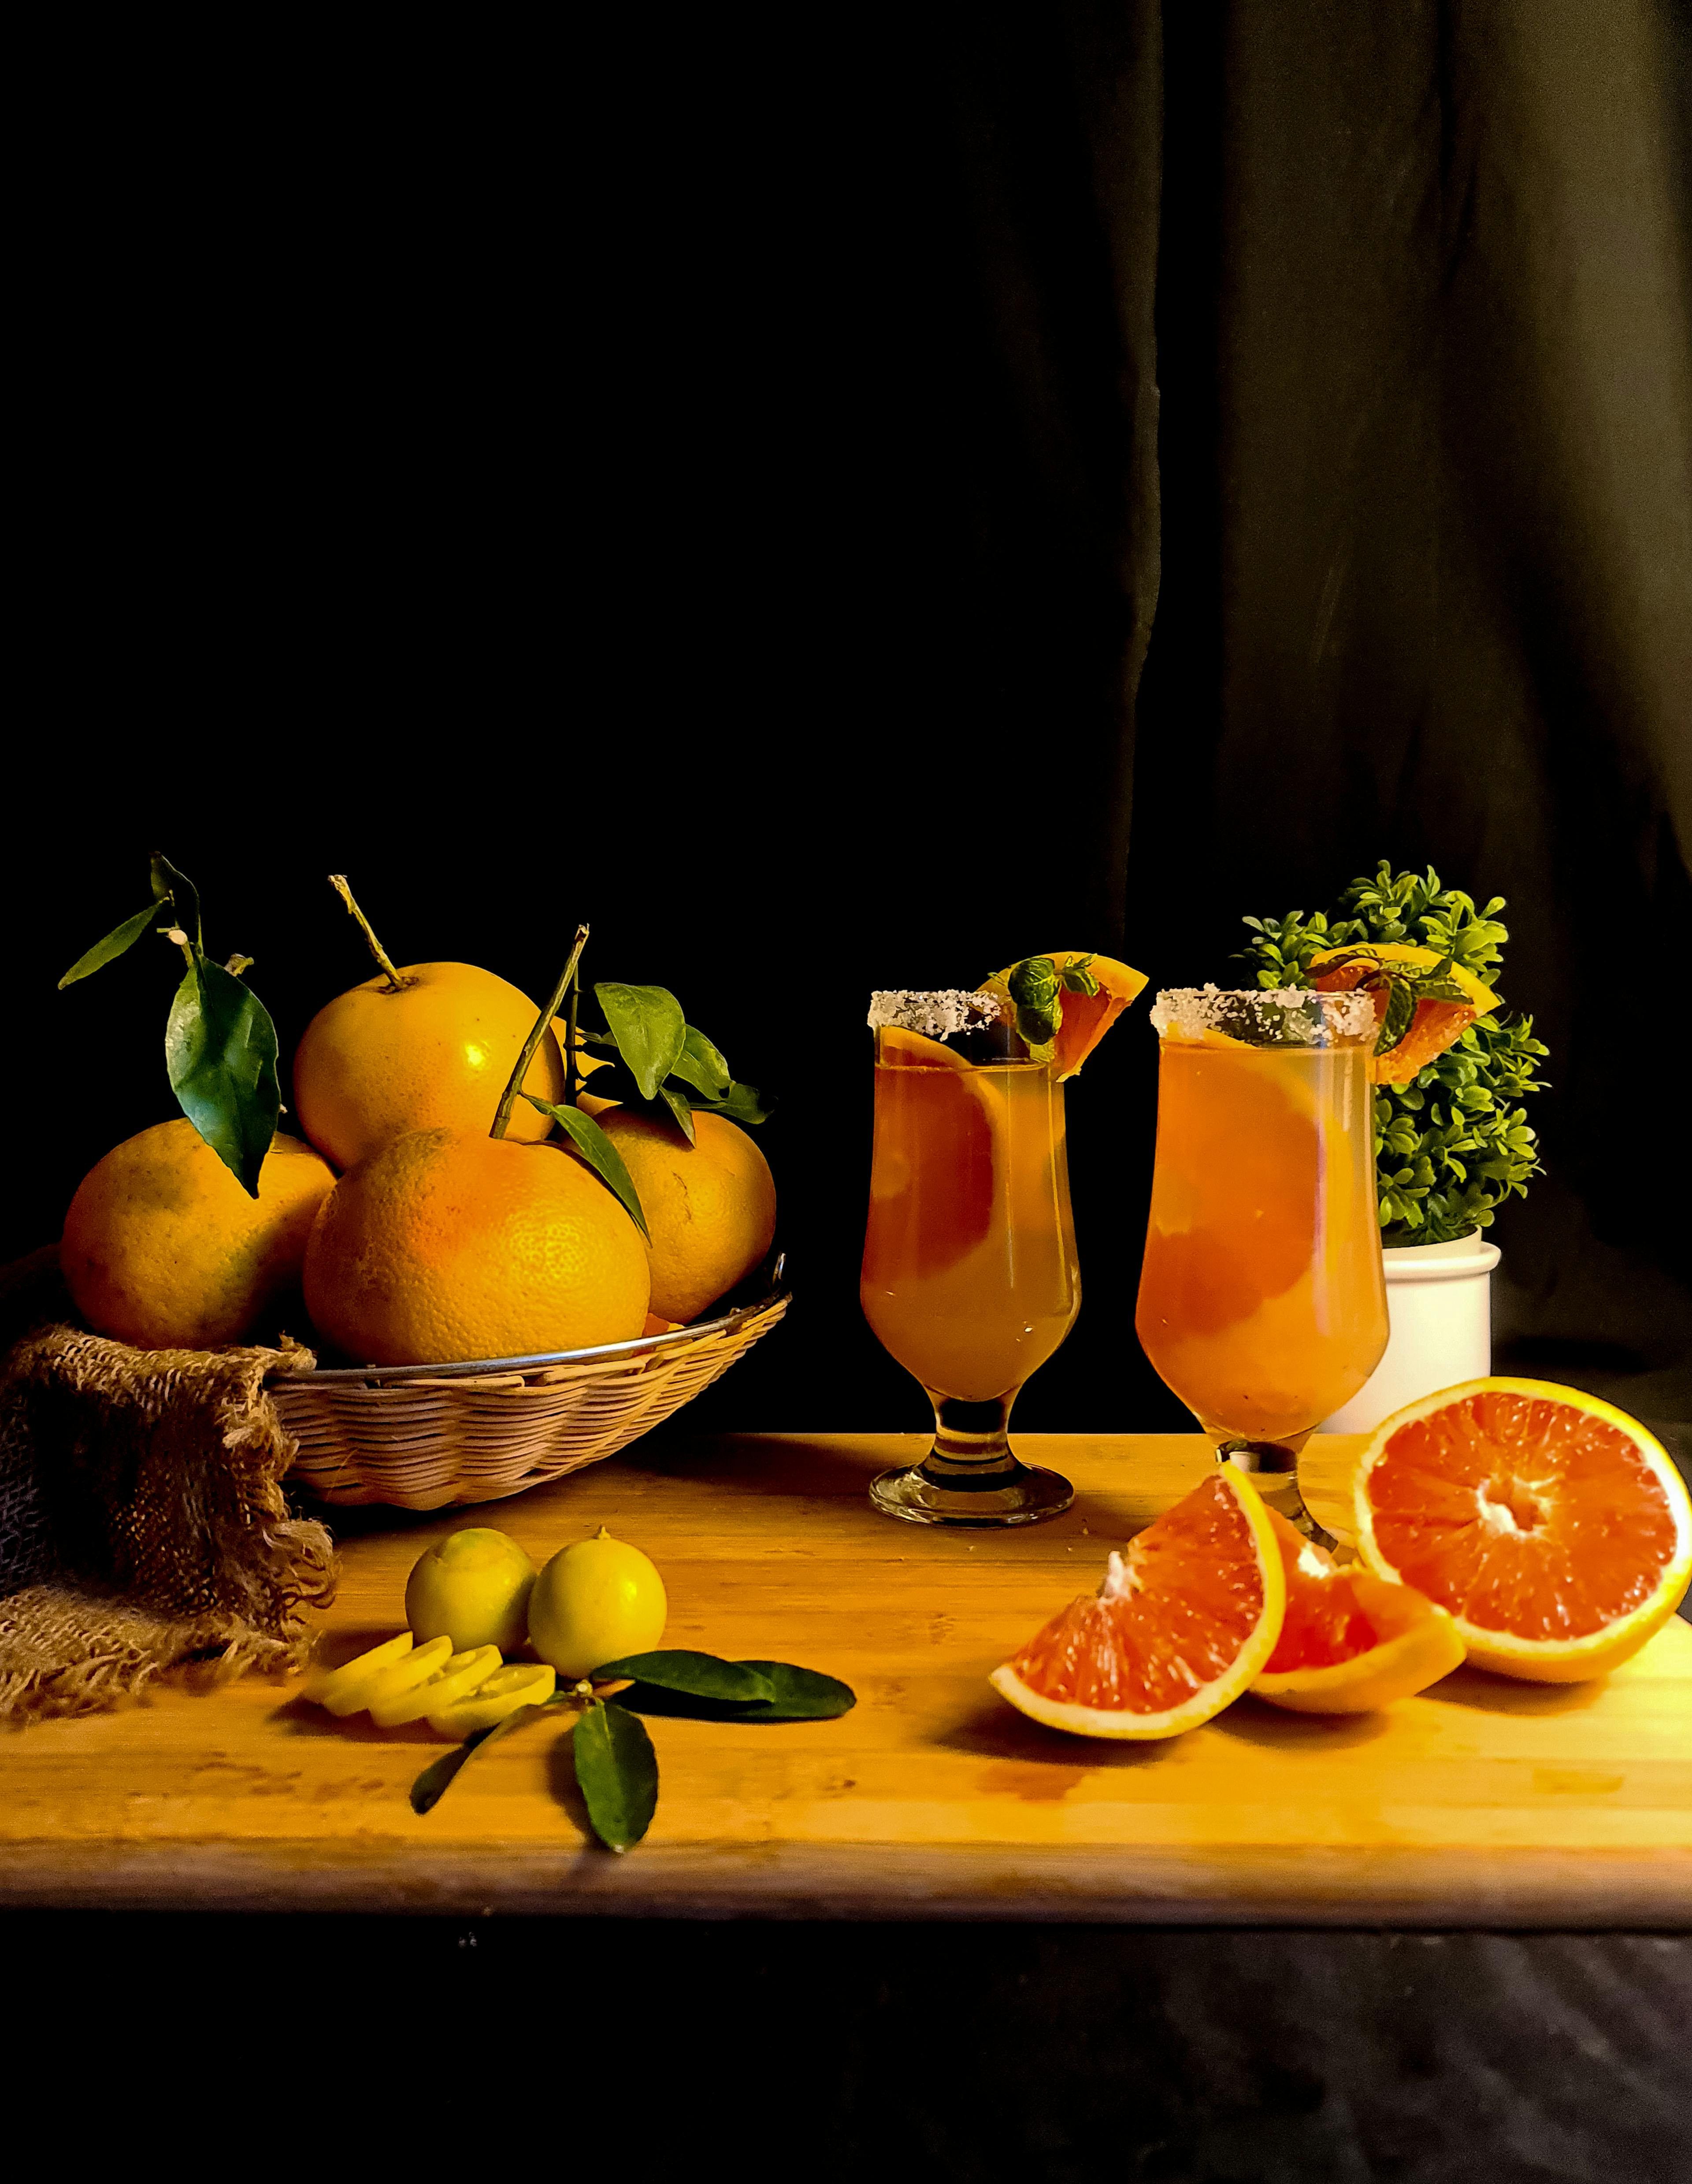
x=1435, y=1025
x=1552, y=1526
x=1086, y=1017
x=1349, y=1642
x=1180, y=1626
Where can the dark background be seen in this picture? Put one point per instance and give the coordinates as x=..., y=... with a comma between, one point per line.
x=726, y=507
x=722, y=477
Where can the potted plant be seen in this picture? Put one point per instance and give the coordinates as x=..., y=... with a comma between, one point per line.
x=1452, y=1140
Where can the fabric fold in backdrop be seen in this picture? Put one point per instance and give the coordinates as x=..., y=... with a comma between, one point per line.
x=142, y=1528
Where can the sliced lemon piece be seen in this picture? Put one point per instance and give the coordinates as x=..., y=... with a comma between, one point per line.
x=459, y=1675
x=520, y=1685
x=403, y=1675
x=330, y=1687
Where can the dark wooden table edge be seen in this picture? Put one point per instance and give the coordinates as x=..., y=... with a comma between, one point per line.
x=1565, y=1891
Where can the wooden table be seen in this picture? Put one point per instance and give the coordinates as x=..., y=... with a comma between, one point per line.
x=1482, y=1802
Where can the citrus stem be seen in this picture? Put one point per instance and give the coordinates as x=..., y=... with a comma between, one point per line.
x=572, y=1079
x=566, y=978
x=396, y=984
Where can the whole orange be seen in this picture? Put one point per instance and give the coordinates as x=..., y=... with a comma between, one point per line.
x=711, y=1207
x=449, y=1244
x=436, y=1055
x=163, y=1247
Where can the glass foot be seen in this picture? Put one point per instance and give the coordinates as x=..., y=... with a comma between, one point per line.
x=940, y=1493
x=970, y=1478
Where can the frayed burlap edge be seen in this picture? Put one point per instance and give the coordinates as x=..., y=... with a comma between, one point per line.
x=65, y=1653
x=176, y=1556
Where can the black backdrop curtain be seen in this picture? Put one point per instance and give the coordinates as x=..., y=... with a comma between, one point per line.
x=726, y=506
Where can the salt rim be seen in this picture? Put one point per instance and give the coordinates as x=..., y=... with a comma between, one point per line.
x=1191, y=1011
x=936, y=1016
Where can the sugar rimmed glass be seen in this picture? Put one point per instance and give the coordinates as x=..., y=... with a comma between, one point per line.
x=970, y=1276
x=1262, y=1302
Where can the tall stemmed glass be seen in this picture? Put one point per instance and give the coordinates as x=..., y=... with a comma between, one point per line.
x=970, y=1276
x=1262, y=1302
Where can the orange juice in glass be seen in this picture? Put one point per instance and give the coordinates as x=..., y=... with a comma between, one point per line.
x=1262, y=1302
x=970, y=1276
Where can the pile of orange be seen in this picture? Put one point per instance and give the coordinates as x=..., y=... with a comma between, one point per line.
x=1529, y=1530
x=435, y=1241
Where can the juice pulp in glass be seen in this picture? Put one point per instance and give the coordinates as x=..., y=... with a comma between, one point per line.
x=1262, y=1302
x=970, y=1276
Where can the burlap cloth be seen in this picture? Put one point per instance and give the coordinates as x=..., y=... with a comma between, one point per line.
x=142, y=1528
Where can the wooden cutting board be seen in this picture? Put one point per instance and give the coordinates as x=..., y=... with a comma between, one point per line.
x=1482, y=1802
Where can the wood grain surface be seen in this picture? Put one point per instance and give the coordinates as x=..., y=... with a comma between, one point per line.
x=1482, y=1802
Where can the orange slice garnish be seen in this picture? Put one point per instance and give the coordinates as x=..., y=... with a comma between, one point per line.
x=1086, y=1017
x=1435, y=1025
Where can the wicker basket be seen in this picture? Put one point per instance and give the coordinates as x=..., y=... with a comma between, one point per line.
x=424, y=1436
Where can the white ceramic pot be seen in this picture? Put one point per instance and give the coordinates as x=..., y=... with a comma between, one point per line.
x=1439, y=1305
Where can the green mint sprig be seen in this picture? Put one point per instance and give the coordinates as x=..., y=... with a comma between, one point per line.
x=219, y=1043
x=1037, y=987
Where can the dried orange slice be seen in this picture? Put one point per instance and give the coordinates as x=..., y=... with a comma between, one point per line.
x=1435, y=1025
x=1552, y=1526
x=1182, y=1623
x=1349, y=1642
x=1086, y=1017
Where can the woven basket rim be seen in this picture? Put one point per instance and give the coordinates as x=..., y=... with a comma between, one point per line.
x=779, y=1292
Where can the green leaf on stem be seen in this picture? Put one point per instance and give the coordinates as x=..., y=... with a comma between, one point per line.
x=679, y=1112
x=703, y=1675
x=741, y=1103
x=221, y=1050
x=796, y=1695
x=439, y=1775
x=701, y=1065
x=649, y=1028
x=600, y=1155
x=616, y=1770
x=169, y=885
x=118, y=942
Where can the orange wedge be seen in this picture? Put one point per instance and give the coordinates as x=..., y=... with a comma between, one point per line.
x=1349, y=1642
x=1180, y=1625
x=1435, y=1025
x=899, y=1049
x=1552, y=1526
x=928, y=1214
x=1086, y=1017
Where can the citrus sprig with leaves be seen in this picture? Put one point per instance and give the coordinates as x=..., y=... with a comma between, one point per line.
x=612, y=1755
x=219, y=1043
x=664, y=1067
x=1452, y=1145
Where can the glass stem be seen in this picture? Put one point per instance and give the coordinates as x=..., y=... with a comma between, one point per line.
x=1273, y=1467
x=972, y=1440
